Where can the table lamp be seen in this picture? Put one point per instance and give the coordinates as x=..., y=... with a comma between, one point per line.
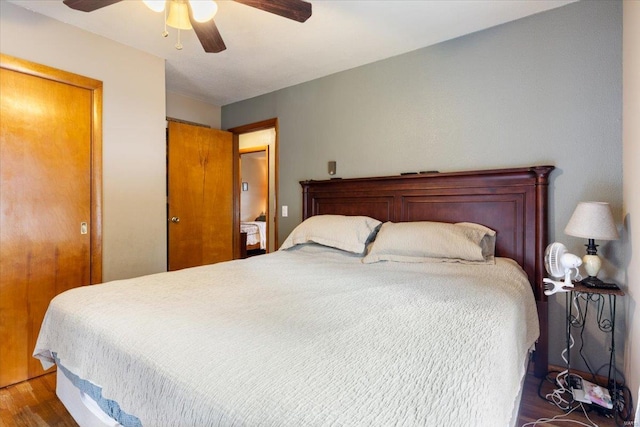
x=592, y=220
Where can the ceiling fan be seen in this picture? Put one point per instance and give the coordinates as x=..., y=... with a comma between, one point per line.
x=203, y=23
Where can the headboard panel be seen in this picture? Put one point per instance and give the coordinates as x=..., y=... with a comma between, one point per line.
x=513, y=202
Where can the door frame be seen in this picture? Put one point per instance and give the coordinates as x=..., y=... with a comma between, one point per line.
x=95, y=87
x=248, y=128
x=260, y=149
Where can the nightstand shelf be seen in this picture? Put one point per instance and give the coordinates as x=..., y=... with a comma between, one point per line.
x=579, y=300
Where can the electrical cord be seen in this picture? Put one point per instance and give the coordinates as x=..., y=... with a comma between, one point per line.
x=559, y=419
x=546, y=378
x=562, y=395
x=622, y=400
x=578, y=321
x=623, y=406
x=618, y=373
x=620, y=394
x=623, y=403
x=556, y=397
x=562, y=383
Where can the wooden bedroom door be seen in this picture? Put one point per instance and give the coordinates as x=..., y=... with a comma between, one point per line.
x=200, y=189
x=48, y=216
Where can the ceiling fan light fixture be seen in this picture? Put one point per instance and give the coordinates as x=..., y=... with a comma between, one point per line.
x=198, y=15
x=178, y=16
x=155, y=5
x=203, y=10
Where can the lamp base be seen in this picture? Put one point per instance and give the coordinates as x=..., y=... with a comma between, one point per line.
x=592, y=282
x=592, y=264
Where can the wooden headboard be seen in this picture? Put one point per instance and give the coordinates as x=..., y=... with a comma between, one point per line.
x=513, y=202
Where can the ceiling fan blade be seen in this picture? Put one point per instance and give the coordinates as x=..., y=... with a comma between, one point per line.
x=208, y=34
x=298, y=10
x=89, y=5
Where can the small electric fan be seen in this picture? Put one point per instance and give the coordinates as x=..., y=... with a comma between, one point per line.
x=560, y=263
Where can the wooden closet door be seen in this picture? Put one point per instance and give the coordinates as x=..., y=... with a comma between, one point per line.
x=201, y=195
x=45, y=199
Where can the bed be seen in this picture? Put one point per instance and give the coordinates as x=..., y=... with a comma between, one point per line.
x=253, y=237
x=318, y=335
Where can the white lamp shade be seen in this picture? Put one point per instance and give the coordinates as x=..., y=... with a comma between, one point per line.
x=178, y=16
x=592, y=220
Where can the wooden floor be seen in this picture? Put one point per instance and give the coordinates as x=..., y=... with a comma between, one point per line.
x=533, y=407
x=34, y=403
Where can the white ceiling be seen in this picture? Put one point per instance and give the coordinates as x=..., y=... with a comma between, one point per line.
x=266, y=52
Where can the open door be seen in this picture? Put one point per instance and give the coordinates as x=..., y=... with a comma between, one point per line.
x=254, y=198
x=201, y=174
x=261, y=134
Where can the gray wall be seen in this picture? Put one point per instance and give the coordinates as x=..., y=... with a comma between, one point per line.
x=546, y=89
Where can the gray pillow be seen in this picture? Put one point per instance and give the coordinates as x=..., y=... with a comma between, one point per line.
x=426, y=241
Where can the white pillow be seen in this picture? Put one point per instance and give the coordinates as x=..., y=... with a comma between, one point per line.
x=488, y=242
x=349, y=233
x=425, y=241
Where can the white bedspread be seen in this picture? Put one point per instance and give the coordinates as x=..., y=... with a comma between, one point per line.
x=256, y=232
x=307, y=337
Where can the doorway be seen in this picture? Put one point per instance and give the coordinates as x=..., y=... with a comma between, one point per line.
x=254, y=198
x=262, y=137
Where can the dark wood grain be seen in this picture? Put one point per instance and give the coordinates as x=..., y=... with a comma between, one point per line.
x=513, y=202
x=89, y=5
x=208, y=34
x=298, y=10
